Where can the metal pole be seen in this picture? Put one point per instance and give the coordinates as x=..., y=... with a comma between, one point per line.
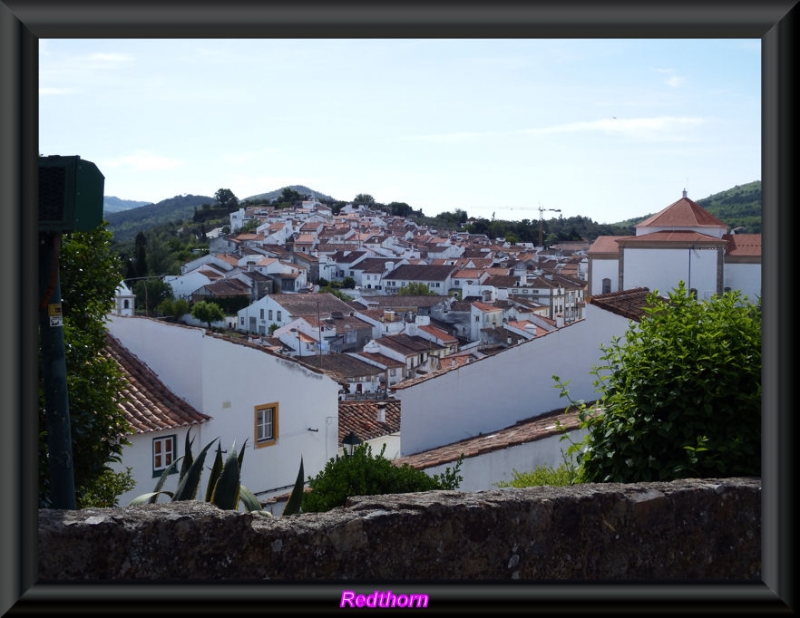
x=54, y=374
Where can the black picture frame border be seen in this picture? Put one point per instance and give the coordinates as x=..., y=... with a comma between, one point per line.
x=24, y=22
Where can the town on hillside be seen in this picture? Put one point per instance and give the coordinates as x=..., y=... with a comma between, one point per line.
x=419, y=340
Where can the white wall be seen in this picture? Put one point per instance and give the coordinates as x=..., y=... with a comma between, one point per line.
x=662, y=269
x=604, y=269
x=226, y=381
x=495, y=392
x=744, y=277
x=483, y=471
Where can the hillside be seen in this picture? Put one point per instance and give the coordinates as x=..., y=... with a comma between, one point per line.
x=115, y=204
x=126, y=224
x=299, y=188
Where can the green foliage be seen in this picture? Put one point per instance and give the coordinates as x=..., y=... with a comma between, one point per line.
x=565, y=474
x=681, y=394
x=224, y=488
x=415, y=289
x=363, y=474
x=89, y=276
x=208, y=312
x=151, y=293
x=106, y=489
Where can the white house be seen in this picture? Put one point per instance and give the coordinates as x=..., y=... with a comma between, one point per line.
x=497, y=391
x=683, y=242
x=283, y=410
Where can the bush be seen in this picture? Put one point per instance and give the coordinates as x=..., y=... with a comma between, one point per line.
x=565, y=474
x=681, y=394
x=363, y=474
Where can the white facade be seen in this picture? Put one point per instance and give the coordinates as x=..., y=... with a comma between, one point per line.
x=662, y=269
x=124, y=301
x=515, y=384
x=228, y=381
x=483, y=471
x=744, y=277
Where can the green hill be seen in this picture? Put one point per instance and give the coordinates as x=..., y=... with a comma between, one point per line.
x=261, y=197
x=126, y=224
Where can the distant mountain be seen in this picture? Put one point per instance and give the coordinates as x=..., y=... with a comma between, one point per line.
x=299, y=188
x=114, y=204
x=124, y=225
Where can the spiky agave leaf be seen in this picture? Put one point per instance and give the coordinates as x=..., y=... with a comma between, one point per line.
x=296, y=498
x=187, y=459
x=227, y=488
x=164, y=475
x=241, y=454
x=149, y=498
x=216, y=470
x=187, y=487
x=248, y=498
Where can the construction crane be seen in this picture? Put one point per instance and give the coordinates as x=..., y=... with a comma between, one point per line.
x=541, y=214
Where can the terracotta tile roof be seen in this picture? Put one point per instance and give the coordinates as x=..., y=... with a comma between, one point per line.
x=683, y=213
x=674, y=236
x=626, y=303
x=341, y=367
x=147, y=403
x=411, y=272
x=521, y=433
x=743, y=245
x=606, y=244
x=361, y=417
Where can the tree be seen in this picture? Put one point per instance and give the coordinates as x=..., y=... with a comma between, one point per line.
x=90, y=274
x=150, y=293
x=364, y=199
x=208, y=312
x=289, y=196
x=681, y=394
x=140, y=253
x=226, y=199
x=415, y=289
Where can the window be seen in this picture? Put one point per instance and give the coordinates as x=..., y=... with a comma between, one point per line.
x=164, y=452
x=261, y=314
x=606, y=286
x=270, y=314
x=279, y=316
x=266, y=425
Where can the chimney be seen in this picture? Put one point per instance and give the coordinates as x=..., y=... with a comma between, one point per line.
x=559, y=320
x=684, y=193
x=381, y=405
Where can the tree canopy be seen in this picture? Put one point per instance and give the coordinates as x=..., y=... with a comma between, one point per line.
x=681, y=394
x=89, y=275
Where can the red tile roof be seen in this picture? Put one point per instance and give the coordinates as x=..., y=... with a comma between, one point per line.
x=361, y=417
x=683, y=213
x=626, y=303
x=147, y=403
x=530, y=430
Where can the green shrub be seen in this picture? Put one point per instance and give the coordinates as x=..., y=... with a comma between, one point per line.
x=565, y=474
x=363, y=474
x=681, y=394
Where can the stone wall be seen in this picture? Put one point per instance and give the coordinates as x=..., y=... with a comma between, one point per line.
x=706, y=529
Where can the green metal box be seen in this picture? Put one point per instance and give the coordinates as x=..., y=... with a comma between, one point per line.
x=70, y=194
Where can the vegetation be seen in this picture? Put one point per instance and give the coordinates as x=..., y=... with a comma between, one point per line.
x=681, y=394
x=224, y=488
x=89, y=276
x=565, y=474
x=415, y=289
x=208, y=312
x=362, y=474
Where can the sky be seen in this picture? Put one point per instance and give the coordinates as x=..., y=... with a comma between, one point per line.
x=609, y=129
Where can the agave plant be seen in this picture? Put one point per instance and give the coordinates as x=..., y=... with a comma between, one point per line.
x=224, y=488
